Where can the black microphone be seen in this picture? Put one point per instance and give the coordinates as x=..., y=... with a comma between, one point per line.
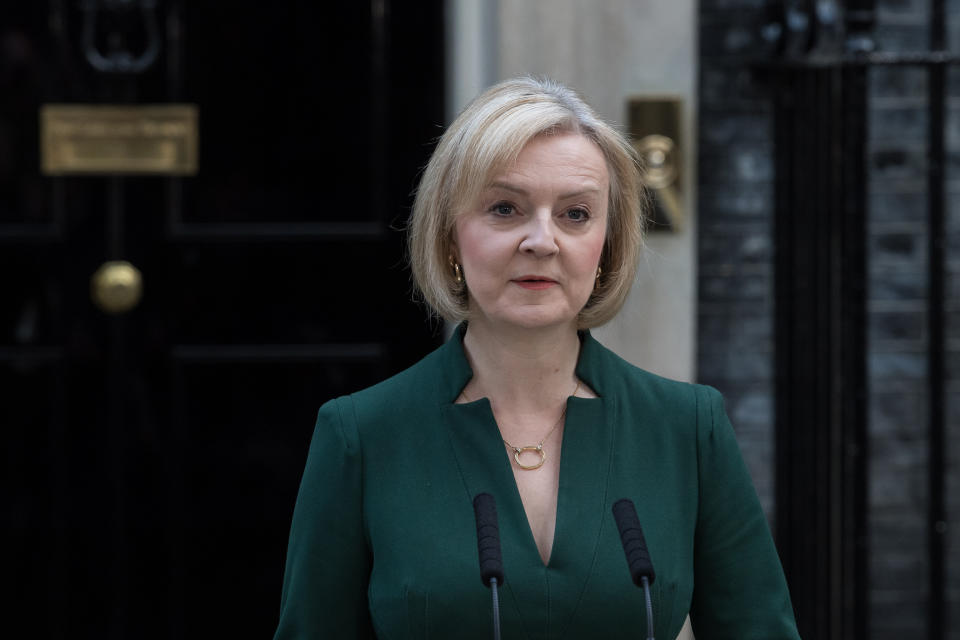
x=488, y=538
x=488, y=545
x=635, y=548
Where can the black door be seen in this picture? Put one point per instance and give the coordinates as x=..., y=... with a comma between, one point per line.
x=152, y=457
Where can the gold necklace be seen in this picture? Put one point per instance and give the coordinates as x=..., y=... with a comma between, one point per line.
x=539, y=448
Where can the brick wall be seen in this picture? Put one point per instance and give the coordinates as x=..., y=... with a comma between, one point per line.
x=735, y=347
x=735, y=281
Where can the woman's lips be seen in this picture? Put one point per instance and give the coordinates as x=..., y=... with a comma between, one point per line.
x=534, y=283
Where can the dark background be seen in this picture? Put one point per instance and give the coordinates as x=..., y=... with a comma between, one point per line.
x=152, y=459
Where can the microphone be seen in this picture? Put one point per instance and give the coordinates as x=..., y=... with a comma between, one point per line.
x=488, y=546
x=635, y=548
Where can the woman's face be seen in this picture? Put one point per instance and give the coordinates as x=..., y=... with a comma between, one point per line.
x=531, y=243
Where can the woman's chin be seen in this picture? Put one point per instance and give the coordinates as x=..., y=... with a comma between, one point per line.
x=532, y=320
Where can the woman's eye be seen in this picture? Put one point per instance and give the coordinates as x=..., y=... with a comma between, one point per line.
x=503, y=209
x=577, y=215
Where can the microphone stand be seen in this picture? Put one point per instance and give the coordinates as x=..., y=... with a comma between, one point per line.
x=646, y=596
x=496, y=609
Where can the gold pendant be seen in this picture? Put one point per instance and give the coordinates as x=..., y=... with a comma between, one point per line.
x=529, y=467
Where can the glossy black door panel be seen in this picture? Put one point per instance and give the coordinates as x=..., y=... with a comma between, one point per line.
x=154, y=456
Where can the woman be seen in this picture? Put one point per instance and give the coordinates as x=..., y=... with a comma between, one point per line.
x=526, y=229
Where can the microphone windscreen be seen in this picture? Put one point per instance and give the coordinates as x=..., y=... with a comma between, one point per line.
x=488, y=538
x=634, y=545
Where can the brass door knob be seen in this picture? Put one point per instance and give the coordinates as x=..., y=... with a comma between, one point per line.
x=659, y=156
x=116, y=286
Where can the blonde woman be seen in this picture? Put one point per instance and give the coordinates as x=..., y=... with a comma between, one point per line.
x=526, y=231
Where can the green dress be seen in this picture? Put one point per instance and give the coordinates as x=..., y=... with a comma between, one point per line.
x=383, y=542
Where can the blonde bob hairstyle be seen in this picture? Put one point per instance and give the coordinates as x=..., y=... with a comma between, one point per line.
x=482, y=142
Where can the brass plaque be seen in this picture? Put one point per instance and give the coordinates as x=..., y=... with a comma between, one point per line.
x=109, y=139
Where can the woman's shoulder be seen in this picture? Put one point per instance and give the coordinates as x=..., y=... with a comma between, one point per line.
x=620, y=378
x=401, y=396
x=418, y=382
x=683, y=413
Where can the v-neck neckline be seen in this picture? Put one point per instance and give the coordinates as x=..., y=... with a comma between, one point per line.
x=484, y=413
x=586, y=451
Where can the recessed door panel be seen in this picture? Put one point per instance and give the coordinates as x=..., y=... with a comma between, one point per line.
x=156, y=446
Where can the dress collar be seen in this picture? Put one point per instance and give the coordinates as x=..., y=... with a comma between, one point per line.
x=457, y=372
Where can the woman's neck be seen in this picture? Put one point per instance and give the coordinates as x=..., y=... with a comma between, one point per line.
x=525, y=370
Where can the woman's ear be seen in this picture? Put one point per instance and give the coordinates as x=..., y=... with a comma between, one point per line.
x=454, y=251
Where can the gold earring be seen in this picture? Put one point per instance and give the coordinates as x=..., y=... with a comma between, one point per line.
x=457, y=273
x=599, y=271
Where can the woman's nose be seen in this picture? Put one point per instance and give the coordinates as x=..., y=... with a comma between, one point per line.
x=539, y=237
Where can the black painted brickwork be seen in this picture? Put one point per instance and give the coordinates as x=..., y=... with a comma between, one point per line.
x=735, y=341
x=735, y=242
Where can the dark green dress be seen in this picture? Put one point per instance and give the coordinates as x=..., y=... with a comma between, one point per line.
x=383, y=541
